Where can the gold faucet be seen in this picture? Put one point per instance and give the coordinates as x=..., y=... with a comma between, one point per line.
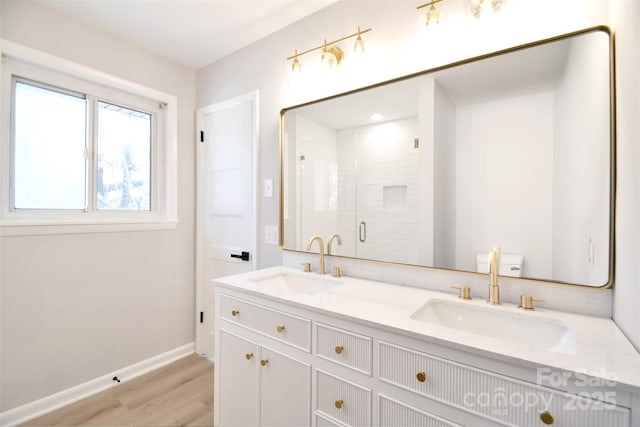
x=494, y=269
x=333, y=236
x=321, y=264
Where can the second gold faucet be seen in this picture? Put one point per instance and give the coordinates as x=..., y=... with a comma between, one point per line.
x=321, y=252
x=494, y=269
x=321, y=263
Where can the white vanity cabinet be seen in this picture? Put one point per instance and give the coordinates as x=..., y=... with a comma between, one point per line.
x=257, y=385
x=328, y=369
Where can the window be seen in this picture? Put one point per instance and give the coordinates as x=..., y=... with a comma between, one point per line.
x=49, y=149
x=124, y=158
x=83, y=152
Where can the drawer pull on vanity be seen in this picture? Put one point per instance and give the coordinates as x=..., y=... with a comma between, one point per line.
x=280, y=329
x=421, y=377
x=234, y=313
x=264, y=362
x=248, y=356
x=546, y=418
x=339, y=403
x=339, y=349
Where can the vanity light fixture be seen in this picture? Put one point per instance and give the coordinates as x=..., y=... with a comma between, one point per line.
x=478, y=7
x=332, y=55
x=433, y=15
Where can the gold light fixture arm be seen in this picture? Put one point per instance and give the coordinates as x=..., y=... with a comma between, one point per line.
x=322, y=46
x=431, y=3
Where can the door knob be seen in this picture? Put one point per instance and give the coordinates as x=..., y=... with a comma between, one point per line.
x=244, y=256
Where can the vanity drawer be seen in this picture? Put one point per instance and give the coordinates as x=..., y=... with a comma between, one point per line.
x=344, y=347
x=491, y=395
x=285, y=327
x=344, y=401
x=393, y=413
x=325, y=422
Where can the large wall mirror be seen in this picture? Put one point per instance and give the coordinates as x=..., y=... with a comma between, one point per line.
x=513, y=149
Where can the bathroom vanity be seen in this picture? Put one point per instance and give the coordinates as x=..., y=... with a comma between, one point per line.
x=303, y=349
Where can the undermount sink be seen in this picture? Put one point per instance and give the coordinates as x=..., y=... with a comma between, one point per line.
x=297, y=283
x=498, y=322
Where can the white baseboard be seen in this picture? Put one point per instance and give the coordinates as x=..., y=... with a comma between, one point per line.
x=39, y=407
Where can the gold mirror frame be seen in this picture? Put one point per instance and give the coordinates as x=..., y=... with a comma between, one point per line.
x=612, y=145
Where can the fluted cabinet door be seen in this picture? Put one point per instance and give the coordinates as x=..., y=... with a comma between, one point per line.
x=285, y=390
x=239, y=361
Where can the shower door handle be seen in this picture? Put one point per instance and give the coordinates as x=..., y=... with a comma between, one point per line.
x=362, y=231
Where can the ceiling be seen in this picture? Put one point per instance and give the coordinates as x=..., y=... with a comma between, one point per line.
x=192, y=32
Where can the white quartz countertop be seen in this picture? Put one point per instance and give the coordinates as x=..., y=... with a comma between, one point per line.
x=599, y=348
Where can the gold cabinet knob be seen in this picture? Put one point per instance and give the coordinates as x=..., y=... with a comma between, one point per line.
x=339, y=349
x=546, y=418
x=280, y=329
x=421, y=377
x=339, y=403
x=235, y=312
x=248, y=356
x=264, y=362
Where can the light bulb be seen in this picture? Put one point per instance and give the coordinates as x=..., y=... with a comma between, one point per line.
x=327, y=56
x=359, y=44
x=296, y=67
x=433, y=16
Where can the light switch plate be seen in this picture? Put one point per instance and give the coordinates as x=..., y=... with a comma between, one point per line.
x=268, y=188
x=271, y=234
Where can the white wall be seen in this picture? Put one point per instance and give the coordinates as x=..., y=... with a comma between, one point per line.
x=445, y=169
x=75, y=307
x=626, y=16
x=581, y=186
x=504, y=146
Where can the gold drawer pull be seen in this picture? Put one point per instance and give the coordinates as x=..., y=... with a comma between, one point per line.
x=421, y=376
x=264, y=362
x=248, y=356
x=339, y=403
x=339, y=349
x=234, y=313
x=546, y=418
x=280, y=329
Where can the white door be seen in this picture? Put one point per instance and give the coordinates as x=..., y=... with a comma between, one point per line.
x=226, y=201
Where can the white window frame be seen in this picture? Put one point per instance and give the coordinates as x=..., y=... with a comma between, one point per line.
x=40, y=67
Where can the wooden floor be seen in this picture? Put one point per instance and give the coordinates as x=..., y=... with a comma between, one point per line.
x=179, y=394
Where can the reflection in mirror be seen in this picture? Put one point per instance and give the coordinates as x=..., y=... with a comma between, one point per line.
x=513, y=149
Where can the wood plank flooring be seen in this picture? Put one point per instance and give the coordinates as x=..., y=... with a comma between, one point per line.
x=179, y=394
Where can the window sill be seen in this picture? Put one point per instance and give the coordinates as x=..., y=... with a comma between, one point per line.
x=36, y=228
